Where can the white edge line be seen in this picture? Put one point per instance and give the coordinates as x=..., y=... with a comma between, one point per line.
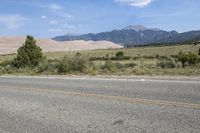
x=104, y=79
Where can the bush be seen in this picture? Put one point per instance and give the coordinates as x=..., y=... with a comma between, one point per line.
x=6, y=67
x=119, y=54
x=108, y=65
x=70, y=64
x=63, y=65
x=157, y=56
x=29, y=55
x=119, y=65
x=2, y=70
x=78, y=63
x=166, y=64
x=179, y=65
x=187, y=58
x=6, y=62
x=196, y=43
x=47, y=66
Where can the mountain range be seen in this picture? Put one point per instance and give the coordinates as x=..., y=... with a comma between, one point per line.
x=134, y=35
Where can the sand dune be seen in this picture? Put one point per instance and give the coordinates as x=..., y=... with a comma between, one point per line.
x=9, y=45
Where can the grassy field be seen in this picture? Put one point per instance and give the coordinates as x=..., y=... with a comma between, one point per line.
x=143, y=65
x=133, y=52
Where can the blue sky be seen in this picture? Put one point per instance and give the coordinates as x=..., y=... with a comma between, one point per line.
x=49, y=18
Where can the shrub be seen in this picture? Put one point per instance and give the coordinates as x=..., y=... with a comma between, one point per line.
x=9, y=69
x=140, y=70
x=78, y=63
x=108, y=65
x=46, y=65
x=70, y=64
x=119, y=65
x=179, y=65
x=6, y=67
x=166, y=64
x=189, y=58
x=29, y=55
x=63, y=65
x=157, y=56
x=2, y=70
x=119, y=54
x=196, y=43
x=192, y=59
x=5, y=63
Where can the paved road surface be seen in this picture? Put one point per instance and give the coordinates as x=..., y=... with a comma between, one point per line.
x=75, y=105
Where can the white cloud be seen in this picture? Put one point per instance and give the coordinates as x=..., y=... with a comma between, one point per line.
x=63, y=29
x=12, y=21
x=55, y=7
x=70, y=26
x=43, y=17
x=40, y=4
x=55, y=30
x=57, y=10
x=135, y=3
x=53, y=22
x=52, y=6
x=69, y=16
x=63, y=14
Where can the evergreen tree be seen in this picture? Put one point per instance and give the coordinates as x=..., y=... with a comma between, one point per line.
x=28, y=55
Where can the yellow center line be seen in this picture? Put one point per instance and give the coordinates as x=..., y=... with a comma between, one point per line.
x=117, y=98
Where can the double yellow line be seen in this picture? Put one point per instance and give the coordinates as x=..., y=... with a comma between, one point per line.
x=115, y=98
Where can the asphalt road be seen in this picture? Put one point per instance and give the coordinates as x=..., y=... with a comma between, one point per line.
x=81, y=105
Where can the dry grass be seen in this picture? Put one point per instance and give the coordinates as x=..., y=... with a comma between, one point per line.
x=133, y=52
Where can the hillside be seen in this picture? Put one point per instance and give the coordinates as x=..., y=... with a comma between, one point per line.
x=136, y=35
x=9, y=45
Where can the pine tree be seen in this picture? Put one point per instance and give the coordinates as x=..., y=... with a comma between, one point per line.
x=28, y=55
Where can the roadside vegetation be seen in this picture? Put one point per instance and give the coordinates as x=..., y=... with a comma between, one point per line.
x=159, y=60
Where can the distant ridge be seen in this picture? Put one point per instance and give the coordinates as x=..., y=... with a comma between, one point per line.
x=139, y=28
x=135, y=27
x=136, y=35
